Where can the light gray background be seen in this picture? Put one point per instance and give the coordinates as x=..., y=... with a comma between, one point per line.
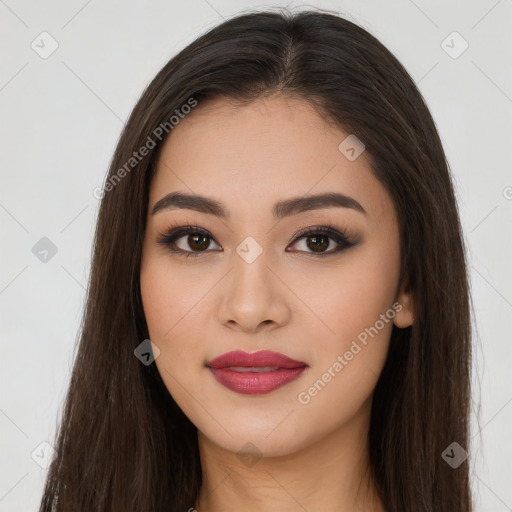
x=60, y=120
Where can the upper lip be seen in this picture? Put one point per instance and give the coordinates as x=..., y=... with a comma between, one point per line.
x=256, y=359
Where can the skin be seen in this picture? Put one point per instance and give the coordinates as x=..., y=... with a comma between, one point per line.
x=289, y=300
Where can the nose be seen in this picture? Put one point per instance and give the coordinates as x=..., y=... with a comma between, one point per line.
x=253, y=297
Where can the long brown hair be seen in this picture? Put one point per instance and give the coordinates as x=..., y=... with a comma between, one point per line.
x=123, y=444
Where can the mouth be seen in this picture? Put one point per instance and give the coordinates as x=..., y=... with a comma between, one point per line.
x=256, y=373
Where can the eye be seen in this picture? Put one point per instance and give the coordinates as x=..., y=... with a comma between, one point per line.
x=187, y=240
x=320, y=238
x=192, y=241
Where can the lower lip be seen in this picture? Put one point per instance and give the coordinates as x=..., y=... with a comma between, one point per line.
x=256, y=383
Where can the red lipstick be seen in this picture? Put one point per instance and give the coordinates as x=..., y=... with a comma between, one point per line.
x=257, y=373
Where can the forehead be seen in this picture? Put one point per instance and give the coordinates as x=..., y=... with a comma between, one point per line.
x=270, y=149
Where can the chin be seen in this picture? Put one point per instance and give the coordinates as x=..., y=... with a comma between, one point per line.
x=271, y=438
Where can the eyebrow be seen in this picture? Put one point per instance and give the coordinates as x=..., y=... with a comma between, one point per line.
x=288, y=207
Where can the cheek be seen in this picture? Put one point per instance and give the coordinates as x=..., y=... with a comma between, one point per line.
x=351, y=297
x=355, y=307
x=171, y=302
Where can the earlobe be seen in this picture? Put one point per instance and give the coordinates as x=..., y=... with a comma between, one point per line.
x=404, y=312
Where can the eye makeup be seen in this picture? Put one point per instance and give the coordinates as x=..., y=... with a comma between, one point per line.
x=199, y=240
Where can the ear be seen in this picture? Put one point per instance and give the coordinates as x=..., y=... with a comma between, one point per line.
x=404, y=312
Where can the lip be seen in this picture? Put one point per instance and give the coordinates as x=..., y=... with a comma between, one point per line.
x=232, y=370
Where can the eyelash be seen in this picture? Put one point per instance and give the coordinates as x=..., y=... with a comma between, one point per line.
x=169, y=237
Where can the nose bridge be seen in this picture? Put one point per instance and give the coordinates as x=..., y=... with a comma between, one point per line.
x=250, y=280
x=253, y=295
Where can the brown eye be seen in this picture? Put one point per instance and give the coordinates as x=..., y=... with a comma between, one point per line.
x=316, y=241
x=187, y=240
x=195, y=241
x=198, y=242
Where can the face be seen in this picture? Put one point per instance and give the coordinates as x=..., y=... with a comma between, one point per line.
x=314, y=280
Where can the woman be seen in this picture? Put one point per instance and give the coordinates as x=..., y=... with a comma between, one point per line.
x=278, y=307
